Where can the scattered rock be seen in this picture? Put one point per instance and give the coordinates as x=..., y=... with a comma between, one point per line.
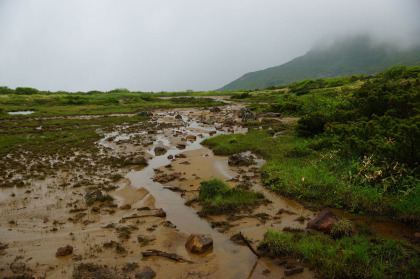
x=160, y=150
x=240, y=160
x=170, y=157
x=324, y=221
x=246, y=114
x=185, y=163
x=209, y=122
x=178, y=116
x=17, y=267
x=64, y=251
x=212, y=133
x=146, y=238
x=229, y=122
x=160, y=213
x=169, y=224
x=199, y=243
x=181, y=156
x=215, y=109
x=191, y=137
x=146, y=273
x=181, y=146
x=165, y=178
x=94, y=195
x=145, y=113
x=126, y=207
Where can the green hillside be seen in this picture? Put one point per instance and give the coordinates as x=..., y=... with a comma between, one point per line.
x=344, y=58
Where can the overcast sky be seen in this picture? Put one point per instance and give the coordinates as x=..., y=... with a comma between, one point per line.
x=175, y=45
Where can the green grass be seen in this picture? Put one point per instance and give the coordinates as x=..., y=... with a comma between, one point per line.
x=217, y=198
x=347, y=257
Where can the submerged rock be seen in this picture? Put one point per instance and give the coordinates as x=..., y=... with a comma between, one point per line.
x=246, y=114
x=324, y=221
x=94, y=195
x=64, y=251
x=199, y=243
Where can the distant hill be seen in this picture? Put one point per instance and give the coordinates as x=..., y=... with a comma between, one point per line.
x=348, y=57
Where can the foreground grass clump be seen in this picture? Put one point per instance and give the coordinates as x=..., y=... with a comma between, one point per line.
x=217, y=197
x=357, y=257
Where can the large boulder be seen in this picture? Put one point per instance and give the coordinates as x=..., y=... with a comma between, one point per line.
x=240, y=160
x=324, y=221
x=93, y=195
x=246, y=114
x=199, y=243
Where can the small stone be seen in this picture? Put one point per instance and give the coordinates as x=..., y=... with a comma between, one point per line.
x=146, y=273
x=169, y=224
x=178, y=116
x=199, y=243
x=160, y=213
x=126, y=207
x=64, y=251
x=191, y=137
x=170, y=157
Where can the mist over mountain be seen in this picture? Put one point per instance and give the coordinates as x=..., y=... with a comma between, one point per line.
x=354, y=55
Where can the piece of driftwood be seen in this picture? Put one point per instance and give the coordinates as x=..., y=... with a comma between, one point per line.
x=249, y=245
x=172, y=256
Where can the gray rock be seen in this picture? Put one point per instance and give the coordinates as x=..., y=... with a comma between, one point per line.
x=94, y=195
x=246, y=114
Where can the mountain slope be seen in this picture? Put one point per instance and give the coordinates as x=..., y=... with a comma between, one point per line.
x=349, y=57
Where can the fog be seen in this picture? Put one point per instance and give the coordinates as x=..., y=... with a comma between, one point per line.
x=167, y=45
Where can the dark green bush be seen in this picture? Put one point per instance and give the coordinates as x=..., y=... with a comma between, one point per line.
x=311, y=124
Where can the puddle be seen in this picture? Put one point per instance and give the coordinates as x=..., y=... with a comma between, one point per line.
x=234, y=261
x=23, y=112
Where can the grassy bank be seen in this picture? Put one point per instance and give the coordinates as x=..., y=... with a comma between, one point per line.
x=359, y=153
x=349, y=257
